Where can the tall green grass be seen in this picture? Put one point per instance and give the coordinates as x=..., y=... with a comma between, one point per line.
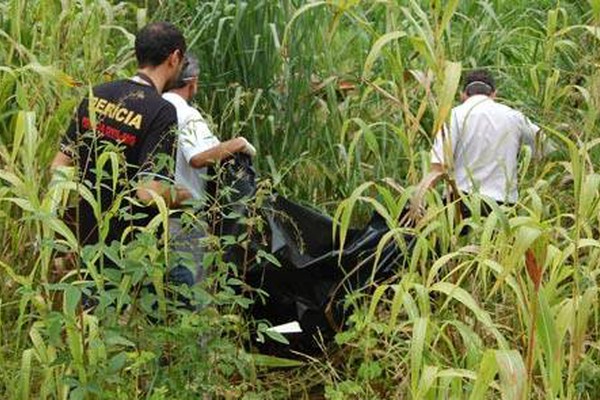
x=510, y=310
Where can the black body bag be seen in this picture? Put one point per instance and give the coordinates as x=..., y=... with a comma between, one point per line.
x=314, y=275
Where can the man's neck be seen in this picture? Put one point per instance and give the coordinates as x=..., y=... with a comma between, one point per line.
x=156, y=75
x=478, y=97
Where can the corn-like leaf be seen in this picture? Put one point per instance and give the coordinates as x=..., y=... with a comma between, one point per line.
x=589, y=195
x=157, y=277
x=21, y=280
x=417, y=346
x=547, y=336
x=376, y=50
x=25, y=375
x=438, y=265
x=396, y=305
x=594, y=30
x=586, y=306
x=75, y=344
x=261, y=360
x=467, y=300
x=565, y=319
x=96, y=346
x=377, y=295
x=39, y=345
x=471, y=341
x=428, y=378
x=53, y=73
x=11, y=178
x=344, y=211
x=296, y=15
x=487, y=370
x=63, y=230
x=449, y=10
x=446, y=95
x=24, y=204
x=25, y=123
x=509, y=364
x=113, y=158
x=513, y=377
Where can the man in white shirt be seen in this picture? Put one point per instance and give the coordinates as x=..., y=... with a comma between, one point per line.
x=197, y=148
x=480, y=149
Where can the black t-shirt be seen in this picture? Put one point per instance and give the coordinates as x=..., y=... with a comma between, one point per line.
x=133, y=120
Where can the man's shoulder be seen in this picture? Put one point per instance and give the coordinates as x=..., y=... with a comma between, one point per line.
x=166, y=110
x=165, y=103
x=161, y=103
x=185, y=112
x=504, y=107
x=176, y=101
x=126, y=90
x=487, y=105
x=112, y=86
x=508, y=111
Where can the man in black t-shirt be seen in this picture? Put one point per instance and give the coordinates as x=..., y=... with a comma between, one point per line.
x=130, y=118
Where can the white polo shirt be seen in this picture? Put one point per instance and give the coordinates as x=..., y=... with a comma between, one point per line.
x=194, y=137
x=482, y=145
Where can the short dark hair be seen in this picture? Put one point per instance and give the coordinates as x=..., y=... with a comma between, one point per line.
x=479, y=82
x=156, y=41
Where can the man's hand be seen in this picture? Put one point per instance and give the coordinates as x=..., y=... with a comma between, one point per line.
x=248, y=148
x=415, y=213
x=173, y=196
x=239, y=145
x=60, y=160
x=416, y=209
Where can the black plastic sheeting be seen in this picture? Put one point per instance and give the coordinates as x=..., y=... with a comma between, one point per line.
x=314, y=276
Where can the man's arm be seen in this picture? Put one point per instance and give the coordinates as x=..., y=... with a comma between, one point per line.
x=415, y=211
x=534, y=137
x=173, y=196
x=543, y=145
x=435, y=174
x=160, y=142
x=60, y=160
x=222, y=151
x=441, y=151
x=64, y=156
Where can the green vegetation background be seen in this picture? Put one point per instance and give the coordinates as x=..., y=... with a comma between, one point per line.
x=341, y=99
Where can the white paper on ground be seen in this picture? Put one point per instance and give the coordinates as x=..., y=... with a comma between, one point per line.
x=290, y=327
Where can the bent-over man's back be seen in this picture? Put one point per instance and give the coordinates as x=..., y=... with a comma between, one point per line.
x=485, y=138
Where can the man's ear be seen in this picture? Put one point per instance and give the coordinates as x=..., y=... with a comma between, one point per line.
x=194, y=87
x=493, y=95
x=175, y=58
x=463, y=96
